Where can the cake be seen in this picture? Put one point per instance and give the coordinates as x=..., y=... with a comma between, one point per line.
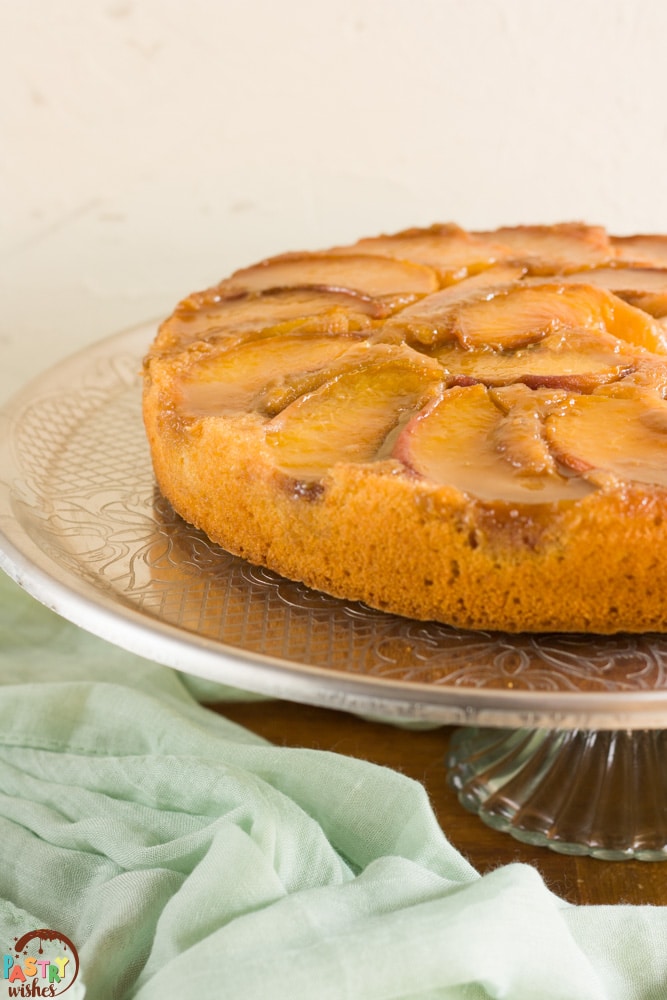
x=469, y=427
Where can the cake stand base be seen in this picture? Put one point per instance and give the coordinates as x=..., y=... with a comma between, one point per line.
x=601, y=793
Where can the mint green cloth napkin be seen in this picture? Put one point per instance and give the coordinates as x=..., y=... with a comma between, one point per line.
x=187, y=858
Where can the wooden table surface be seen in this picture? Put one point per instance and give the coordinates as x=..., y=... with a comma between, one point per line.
x=421, y=755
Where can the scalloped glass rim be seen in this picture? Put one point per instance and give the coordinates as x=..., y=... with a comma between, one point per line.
x=84, y=531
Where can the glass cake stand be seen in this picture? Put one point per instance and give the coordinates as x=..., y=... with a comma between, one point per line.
x=562, y=741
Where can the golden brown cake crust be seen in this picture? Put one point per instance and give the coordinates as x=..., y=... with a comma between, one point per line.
x=330, y=423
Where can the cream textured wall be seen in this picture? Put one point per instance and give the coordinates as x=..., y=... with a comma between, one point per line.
x=149, y=146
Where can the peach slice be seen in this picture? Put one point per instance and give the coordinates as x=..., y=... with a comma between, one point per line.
x=576, y=360
x=560, y=248
x=647, y=249
x=498, y=311
x=520, y=436
x=210, y=316
x=523, y=314
x=349, y=418
x=626, y=436
x=235, y=380
x=450, y=250
x=648, y=376
x=283, y=391
x=543, y=400
x=430, y=320
x=643, y=287
x=365, y=273
x=465, y=441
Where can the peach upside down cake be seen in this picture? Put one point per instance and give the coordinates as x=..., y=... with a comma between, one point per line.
x=463, y=426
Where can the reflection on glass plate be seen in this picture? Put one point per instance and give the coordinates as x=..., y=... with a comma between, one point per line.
x=84, y=529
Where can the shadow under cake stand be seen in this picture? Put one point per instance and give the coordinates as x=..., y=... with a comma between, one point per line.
x=562, y=737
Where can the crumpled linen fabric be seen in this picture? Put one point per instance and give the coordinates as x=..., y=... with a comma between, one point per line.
x=186, y=857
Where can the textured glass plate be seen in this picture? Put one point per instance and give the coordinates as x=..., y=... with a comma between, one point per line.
x=83, y=528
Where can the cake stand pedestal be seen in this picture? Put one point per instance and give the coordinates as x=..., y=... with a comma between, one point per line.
x=602, y=793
